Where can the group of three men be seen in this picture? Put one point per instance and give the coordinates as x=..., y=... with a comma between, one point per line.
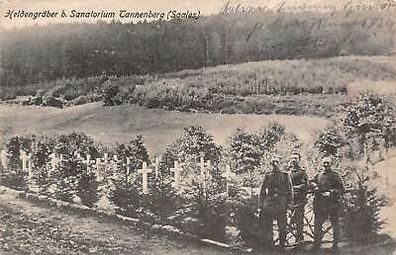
x=283, y=190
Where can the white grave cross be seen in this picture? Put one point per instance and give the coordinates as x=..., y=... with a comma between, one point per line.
x=156, y=166
x=204, y=166
x=30, y=165
x=177, y=169
x=88, y=161
x=228, y=175
x=53, y=161
x=3, y=158
x=23, y=157
x=145, y=171
x=128, y=166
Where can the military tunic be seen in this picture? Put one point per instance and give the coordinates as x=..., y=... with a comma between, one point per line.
x=275, y=195
x=327, y=204
x=299, y=180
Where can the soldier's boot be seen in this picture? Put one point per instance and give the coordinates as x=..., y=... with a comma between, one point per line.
x=336, y=230
x=266, y=230
x=282, y=225
x=318, y=232
x=299, y=226
x=336, y=234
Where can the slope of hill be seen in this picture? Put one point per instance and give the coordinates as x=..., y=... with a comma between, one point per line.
x=285, y=87
x=109, y=125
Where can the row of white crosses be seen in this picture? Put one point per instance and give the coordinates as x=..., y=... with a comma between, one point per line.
x=176, y=170
x=145, y=170
x=23, y=156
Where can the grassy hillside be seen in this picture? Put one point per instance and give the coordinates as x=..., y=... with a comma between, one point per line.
x=109, y=125
x=256, y=87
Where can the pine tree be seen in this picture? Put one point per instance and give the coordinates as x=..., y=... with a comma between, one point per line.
x=14, y=177
x=162, y=199
x=40, y=160
x=207, y=195
x=64, y=180
x=193, y=144
x=363, y=205
x=125, y=191
x=366, y=120
x=73, y=169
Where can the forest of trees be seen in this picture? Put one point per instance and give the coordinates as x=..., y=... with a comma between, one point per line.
x=39, y=54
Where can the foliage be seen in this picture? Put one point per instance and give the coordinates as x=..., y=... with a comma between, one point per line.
x=194, y=143
x=40, y=159
x=125, y=192
x=73, y=176
x=246, y=150
x=14, y=177
x=125, y=49
x=207, y=197
x=367, y=119
x=64, y=182
x=162, y=199
x=13, y=153
x=329, y=142
x=363, y=205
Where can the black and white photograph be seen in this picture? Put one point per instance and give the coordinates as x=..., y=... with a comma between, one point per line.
x=182, y=127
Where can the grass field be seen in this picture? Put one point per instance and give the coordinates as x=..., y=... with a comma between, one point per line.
x=109, y=125
x=242, y=88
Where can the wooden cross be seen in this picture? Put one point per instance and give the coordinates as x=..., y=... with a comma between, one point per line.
x=145, y=171
x=204, y=166
x=53, y=161
x=128, y=167
x=177, y=171
x=3, y=158
x=23, y=157
x=30, y=166
x=156, y=166
x=228, y=174
x=88, y=161
x=98, y=163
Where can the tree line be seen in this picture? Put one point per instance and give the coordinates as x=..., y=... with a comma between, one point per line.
x=36, y=54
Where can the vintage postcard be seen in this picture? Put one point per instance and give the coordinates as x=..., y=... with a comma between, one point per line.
x=197, y=127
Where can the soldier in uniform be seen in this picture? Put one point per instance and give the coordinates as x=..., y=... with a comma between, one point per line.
x=276, y=196
x=328, y=189
x=299, y=180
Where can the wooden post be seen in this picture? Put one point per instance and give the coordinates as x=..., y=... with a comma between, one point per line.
x=176, y=169
x=98, y=163
x=88, y=161
x=23, y=157
x=156, y=165
x=30, y=166
x=227, y=174
x=53, y=161
x=106, y=156
x=145, y=171
x=204, y=166
x=128, y=166
x=3, y=158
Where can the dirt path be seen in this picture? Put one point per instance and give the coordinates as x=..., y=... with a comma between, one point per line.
x=26, y=228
